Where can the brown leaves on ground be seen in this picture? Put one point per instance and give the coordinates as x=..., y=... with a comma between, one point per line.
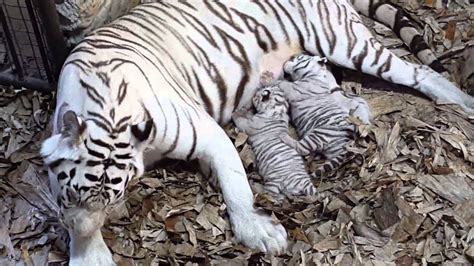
x=407, y=197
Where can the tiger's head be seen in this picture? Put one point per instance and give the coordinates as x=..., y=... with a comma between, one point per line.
x=300, y=66
x=271, y=101
x=89, y=169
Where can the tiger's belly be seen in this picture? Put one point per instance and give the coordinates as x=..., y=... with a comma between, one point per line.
x=272, y=62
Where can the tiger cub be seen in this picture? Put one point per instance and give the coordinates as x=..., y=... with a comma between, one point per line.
x=320, y=110
x=281, y=167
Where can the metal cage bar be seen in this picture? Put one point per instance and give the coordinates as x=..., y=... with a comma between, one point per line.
x=35, y=48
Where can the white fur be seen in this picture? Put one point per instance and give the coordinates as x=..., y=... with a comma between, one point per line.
x=57, y=147
x=89, y=251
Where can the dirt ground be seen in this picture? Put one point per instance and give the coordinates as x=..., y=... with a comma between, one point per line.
x=407, y=197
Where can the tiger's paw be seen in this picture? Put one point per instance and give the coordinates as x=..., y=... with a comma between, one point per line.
x=442, y=91
x=258, y=231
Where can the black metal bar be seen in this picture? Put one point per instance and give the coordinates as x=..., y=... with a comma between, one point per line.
x=11, y=46
x=52, y=31
x=39, y=40
x=26, y=82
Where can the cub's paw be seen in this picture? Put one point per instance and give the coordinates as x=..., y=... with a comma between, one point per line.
x=266, y=78
x=240, y=113
x=362, y=112
x=288, y=140
x=258, y=231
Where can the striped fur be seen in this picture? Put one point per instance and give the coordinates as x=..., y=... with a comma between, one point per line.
x=282, y=168
x=403, y=26
x=320, y=111
x=78, y=18
x=161, y=80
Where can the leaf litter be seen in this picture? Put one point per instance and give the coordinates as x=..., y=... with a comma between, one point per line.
x=406, y=198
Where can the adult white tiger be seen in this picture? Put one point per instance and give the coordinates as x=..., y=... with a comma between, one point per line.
x=166, y=75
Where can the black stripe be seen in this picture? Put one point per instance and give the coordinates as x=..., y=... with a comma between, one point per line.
x=72, y=173
x=100, y=117
x=417, y=44
x=105, y=78
x=123, y=156
x=62, y=176
x=374, y=6
x=255, y=27
x=226, y=17
x=92, y=178
x=100, y=124
x=122, y=92
x=101, y=143
x=92, y=93
x=193, y=146
x=178, y=128
x=116, y=180
x=280, y=22
x=119, y=126
x=93, y=163
x=295, y=27
x=122, y=145
x=358, y=60
x=93, y=152
x=436, y=66
x=242, y=60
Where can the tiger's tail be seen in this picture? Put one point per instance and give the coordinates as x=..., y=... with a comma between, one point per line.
x=402, y=25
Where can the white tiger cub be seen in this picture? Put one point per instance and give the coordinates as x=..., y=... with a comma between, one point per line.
x=320, y=110
x=281, y=167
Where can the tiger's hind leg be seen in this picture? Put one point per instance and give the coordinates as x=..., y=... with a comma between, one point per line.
x=335, y=153
x=300, y=186
x=330, y=165
x=357, y=49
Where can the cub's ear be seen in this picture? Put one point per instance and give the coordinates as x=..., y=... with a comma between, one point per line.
x=65, y=145
x=142, y=134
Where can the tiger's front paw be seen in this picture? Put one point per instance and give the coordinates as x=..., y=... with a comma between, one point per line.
x=258, y=231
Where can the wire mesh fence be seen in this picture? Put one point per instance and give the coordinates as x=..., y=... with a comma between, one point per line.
x=26, y=58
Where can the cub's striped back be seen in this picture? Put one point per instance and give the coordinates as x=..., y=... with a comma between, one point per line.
x=282, y=168
x=320, y=111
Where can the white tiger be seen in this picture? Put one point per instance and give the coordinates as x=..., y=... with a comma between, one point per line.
x=160, y=81
x=320, y=110
x=282, y=168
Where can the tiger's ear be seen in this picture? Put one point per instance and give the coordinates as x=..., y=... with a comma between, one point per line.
x=65, y=145
x=73, y=128
x=141, y=134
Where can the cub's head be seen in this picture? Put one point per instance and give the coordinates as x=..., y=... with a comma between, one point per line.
x=89, y=167
x=270, y=100
x=300, y=66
